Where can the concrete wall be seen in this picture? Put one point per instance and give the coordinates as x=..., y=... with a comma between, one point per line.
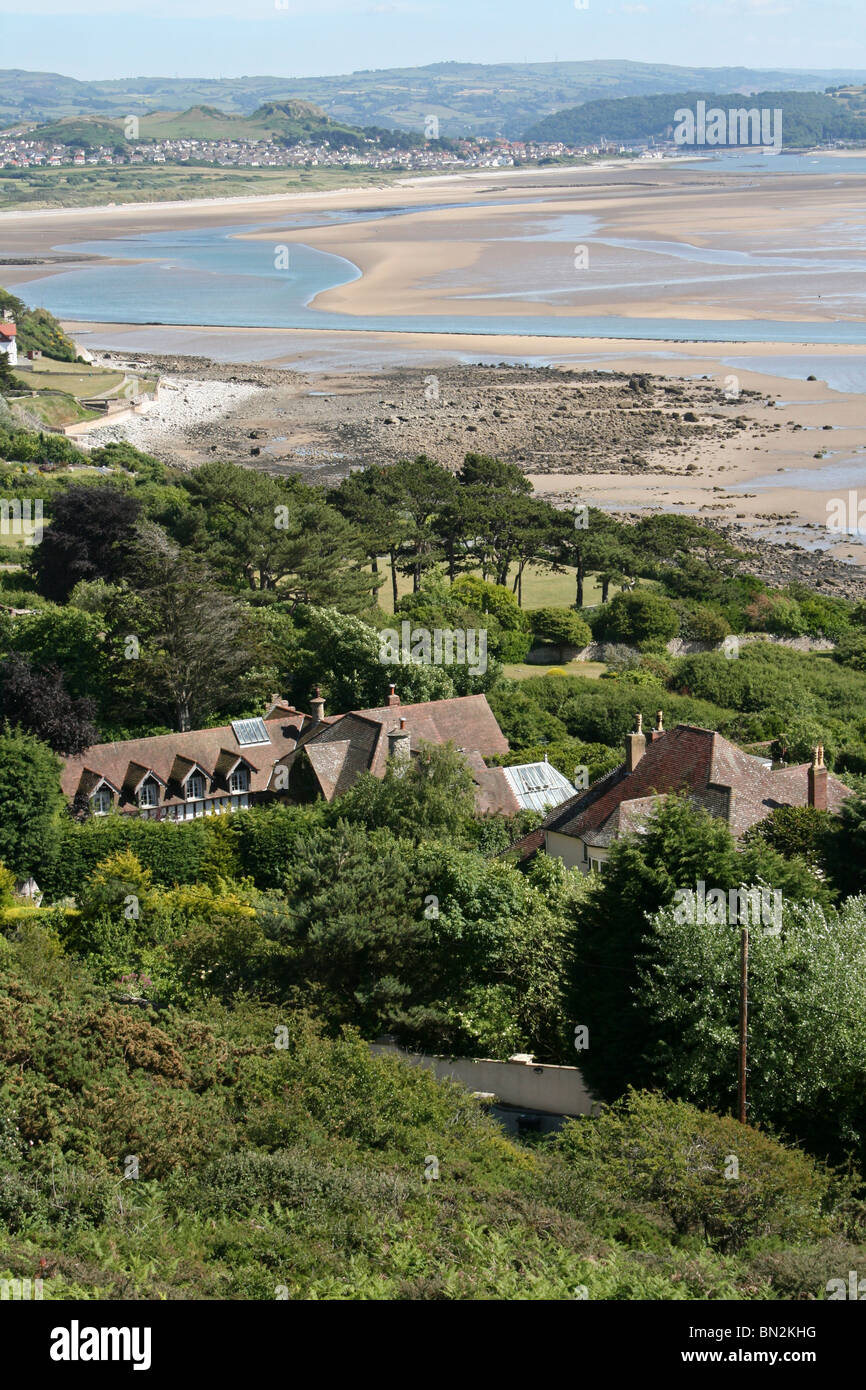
x=677, y=646
x=529, y=1086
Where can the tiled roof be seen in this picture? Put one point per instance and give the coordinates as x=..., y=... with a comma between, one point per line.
x=172, y=756
x=339, y=748
x=362, y=736
x=7, y=330
x=713, y=771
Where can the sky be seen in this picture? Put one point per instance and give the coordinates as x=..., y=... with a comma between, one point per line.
x=305, y=38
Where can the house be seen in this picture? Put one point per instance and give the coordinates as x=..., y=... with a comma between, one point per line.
x=296, y=756
x=185, y=775
x=735, y=786
x=8, y=343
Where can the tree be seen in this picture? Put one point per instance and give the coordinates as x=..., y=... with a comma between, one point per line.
x=589, y=540
x=356, y=928
x=641, y=616
x=366, y=499
x=67, y=638
x=807, y=1033
x=8, y=383
x=421, y=490
x=180, y=643
x=432, y=797
x=344, y=655
x=30, y=802
x=36, y=700
x=267, y=533
x=680, y=847
x=672, y=1157
x=562, y=626
x=91, y=534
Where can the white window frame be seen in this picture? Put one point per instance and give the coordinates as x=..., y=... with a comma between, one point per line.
x=148, y=794
x=240, y=780
x=101, y=800
x=195, y=779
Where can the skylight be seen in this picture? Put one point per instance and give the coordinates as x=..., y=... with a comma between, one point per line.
x=250, y=731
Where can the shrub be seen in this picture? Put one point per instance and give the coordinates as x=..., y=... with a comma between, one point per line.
x=677, y=1158
x=641, y=616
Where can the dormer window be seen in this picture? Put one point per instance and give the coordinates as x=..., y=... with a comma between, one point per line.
x=148, y=794
x=240, y=780
x=101, y=801
x=195, y=787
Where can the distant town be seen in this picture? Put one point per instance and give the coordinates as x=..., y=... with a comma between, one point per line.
x=18, y=152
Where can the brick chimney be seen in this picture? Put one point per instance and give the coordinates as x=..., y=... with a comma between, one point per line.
x=399, y=743
x=659, y=730
x=393, y=697
x=317, y=707
x=635, y=746
x=817, y=777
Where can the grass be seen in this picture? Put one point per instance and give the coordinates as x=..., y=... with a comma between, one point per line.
x=89, y=187
x=54, y=409
x=541, y=587
x=522, y=670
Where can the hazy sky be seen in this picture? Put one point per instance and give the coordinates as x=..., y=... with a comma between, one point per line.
x=296, y=38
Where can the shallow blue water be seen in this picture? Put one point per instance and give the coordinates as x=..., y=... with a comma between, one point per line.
x=212, y=276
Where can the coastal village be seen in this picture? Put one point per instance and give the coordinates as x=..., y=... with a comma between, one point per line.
x=433, y=744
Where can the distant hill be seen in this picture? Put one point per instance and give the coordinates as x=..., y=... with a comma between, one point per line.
x=286, y=120
x=808, y=118
x=38, y=329
x=468, y=98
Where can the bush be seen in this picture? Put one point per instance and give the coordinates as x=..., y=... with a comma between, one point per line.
x=562, y=626
x=641, y=616
x=678, y=1159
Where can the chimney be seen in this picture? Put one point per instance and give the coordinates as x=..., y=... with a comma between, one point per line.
x=393, y=697
x=817, y=776
x=317, y=706
x=658, y=731
x=635, y=746
x=400, y=743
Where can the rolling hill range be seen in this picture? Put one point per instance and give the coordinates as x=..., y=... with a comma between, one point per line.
x=468, y=98
x=808, y=118
x=287, y=120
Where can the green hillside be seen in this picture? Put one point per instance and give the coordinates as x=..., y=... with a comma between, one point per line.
x=468, y=98
x=285, y=120
x=38, y=329
x=808, y=118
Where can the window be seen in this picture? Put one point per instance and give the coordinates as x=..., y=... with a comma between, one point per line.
x=101, y=802
x=195, y=787
x=240, y=780
x=595, y=865
x=148, y=794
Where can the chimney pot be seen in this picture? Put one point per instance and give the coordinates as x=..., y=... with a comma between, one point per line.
x=399, y=743
x=635, y=746
x=817, y=780
x=317, y=707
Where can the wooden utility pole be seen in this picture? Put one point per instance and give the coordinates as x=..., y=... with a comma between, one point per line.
x=744, y=1023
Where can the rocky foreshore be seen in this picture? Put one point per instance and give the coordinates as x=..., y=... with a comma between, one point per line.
x=556, y=424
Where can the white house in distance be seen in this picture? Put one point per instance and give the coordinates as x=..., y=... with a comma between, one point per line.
x=8, y=343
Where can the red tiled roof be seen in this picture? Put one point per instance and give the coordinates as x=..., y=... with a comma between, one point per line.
x=7, y=330
x=172, y=756
x=714, y=772
x=339, y=748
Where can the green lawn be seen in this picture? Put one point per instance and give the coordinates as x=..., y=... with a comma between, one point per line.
x=541, y=588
